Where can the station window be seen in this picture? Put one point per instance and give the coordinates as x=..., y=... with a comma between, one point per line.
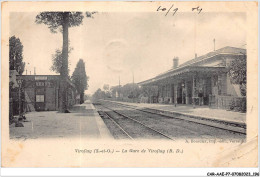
x=41, y=84
x=39, y=98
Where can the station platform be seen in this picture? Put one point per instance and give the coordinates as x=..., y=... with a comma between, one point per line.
x=197, y=112
x=83, y=122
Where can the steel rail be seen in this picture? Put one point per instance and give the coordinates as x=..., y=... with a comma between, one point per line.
x=139, y=123
x=200, y=121
x=118, y=125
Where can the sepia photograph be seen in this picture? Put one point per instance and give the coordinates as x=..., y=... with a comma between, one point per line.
x=146, y=80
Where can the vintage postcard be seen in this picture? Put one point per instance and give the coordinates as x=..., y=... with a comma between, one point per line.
x=129, y=84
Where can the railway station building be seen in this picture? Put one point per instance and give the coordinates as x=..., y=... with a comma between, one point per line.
x=41, y=92
x=202, y=79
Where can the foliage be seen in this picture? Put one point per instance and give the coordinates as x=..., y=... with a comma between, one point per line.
x=99, y=94
x=90, y=14
x=238, y=73
x=55, y=20
x=57, y=61
x=238, y=104
x=80, y=79
x=61, y=21
x=232, y=105
x=107, y=91
x=130, y=90
x=150, y=91
x=16, y=55
x=106, y=87
x=87, y=96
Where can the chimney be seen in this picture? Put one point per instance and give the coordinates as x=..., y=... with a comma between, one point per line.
x=175, y=62
x=195, y=55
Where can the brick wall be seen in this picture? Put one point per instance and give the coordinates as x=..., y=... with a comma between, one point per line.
x=50, y=98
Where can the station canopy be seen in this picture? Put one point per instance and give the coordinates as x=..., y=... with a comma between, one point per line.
x=185, y=72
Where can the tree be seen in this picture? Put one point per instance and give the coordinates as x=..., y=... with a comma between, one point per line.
x=57, y=61
x=80, y=79
x=114, y=90
x=150, y=91
x=61, y=21
x=131, y=90
x=237, y=72
x=106, y=87
x=99, y=94
x=107, y=91
x=16, y=55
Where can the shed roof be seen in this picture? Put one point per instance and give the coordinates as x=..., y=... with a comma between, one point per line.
x=191, y=63
x=224, y=50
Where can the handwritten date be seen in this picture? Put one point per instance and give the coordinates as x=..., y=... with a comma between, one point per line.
x=174, y=10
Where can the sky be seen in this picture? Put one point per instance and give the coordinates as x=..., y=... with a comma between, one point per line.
x=128, y=45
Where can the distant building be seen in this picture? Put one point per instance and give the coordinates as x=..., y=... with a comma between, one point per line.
x=205, y=76
x=41, y=92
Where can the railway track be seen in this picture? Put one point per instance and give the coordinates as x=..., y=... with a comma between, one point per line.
x=105, y=115
x=177, y=127
x=122, y=122
x=231, y=127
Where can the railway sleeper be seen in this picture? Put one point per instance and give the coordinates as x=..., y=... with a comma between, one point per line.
x=234, y=127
